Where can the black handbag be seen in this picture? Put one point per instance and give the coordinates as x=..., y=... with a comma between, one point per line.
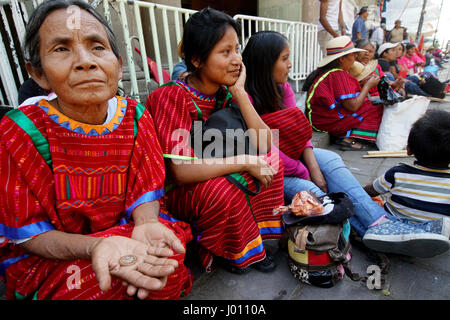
x=432, y=85
x=230, y=143
x=387, y=95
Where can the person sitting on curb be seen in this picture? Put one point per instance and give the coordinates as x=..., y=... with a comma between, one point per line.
x=307, y=168
x=418, y=194
x=336, y=103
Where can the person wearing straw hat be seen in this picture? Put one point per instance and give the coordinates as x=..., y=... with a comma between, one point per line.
x=367, y=57
x=337, y=104
x=361, y=72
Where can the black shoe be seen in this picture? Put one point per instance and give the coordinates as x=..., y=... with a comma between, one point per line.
x=266, y=265
x=230, y=267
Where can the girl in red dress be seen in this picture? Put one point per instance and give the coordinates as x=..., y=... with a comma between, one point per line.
x=228, y=226
x=337, y=104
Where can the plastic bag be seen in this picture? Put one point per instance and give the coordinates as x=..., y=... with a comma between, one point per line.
x=305, y=203
x=397, y=121
x=387, y=94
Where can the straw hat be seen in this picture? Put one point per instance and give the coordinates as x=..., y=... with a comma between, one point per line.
x=338, y=47
x=360, y=71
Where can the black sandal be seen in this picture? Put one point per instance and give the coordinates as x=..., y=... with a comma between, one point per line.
x=349, y=146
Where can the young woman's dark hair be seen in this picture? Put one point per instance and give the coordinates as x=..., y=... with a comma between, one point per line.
x=259, y=57
x=429, y=138
x=202, y=32
x=409, y=46
x=32, y=40
x=319, y=71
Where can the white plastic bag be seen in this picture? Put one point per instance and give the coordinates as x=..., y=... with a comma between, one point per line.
x=397, y=121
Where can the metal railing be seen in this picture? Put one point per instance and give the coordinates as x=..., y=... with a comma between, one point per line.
x=160, y=25
x=305, y=51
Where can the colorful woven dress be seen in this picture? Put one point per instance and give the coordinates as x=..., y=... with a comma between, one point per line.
x=59, y=174
x=326, y=113
x=222, y=222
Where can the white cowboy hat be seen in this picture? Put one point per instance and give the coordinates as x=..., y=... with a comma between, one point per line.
x=360, y=71
x=338, y=47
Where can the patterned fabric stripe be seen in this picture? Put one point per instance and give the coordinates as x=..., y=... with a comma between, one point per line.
x=398, y=209
x=36, y=136
x=139, y=111
x=90, y=171
x=253, y=248
x=442, y=172
x=344, y=97
x=187, y=89
x=167, y=217
x=364, y=133
x=90, y=203
x=336, y=50
x=117, y=103
x=27, y=231
x=6, y=263
x=146, y=197
x=88, y=187
x=271, y=227
x=293, y=128
x=311, y=94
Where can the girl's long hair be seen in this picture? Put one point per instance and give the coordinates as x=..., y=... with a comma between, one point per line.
x=259, y=57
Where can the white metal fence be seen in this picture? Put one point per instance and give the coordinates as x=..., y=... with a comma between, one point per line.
x=155, y=30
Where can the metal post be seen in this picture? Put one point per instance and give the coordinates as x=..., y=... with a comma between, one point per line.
x=422, y=14
x=437, y=25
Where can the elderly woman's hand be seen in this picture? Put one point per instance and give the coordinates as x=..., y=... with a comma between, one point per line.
x=148, y=272
x=157, y=235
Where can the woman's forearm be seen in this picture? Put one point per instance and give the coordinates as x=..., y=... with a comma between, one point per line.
x=61, y=245
x=354, y=104
x=309, y=159
x=146, y=212
x=187, y=172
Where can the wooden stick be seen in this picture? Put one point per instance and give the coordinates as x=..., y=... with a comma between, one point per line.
x=437, y=99
x=386, y=152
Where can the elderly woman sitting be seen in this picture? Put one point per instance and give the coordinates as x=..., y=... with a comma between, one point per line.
x=337, y=103
x=82, y=173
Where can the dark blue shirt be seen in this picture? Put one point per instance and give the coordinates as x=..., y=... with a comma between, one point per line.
x=359, y=26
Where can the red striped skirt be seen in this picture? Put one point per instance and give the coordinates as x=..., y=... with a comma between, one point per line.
x=362, y=124
x=223, y=223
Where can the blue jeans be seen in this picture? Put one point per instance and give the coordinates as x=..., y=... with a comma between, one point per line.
x=339, y=179
x=412, y=86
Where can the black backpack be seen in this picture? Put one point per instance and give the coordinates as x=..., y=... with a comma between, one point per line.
x=431, y=85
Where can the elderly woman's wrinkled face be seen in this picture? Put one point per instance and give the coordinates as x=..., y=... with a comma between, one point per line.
x=365, y=57
x=77, y=61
